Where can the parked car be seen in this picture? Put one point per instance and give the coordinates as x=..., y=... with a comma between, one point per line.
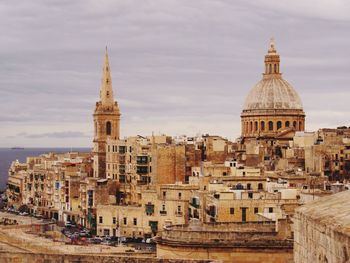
x=68, y=224
x=149, y=241
x=38, y=216
x=23, y=214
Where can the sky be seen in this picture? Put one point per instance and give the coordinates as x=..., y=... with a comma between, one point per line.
x=178, y=66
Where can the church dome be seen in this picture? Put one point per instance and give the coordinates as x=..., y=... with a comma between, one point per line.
x=272, y=105
x=272, y=94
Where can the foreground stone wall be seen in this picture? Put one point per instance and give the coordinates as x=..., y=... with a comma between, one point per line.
x=11, y=257
x=318, y=243
x=236, y=255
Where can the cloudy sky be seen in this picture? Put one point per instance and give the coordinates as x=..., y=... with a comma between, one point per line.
x=178, y=66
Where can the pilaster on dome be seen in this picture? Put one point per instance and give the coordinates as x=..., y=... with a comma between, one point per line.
x=106, y=91
x=272, y=61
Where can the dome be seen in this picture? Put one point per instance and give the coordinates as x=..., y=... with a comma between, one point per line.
x=272, y=94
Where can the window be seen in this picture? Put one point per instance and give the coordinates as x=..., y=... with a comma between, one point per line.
x=125, y=221
x=249, y=186
x=164, y=194
x=108, y=128
x=260, y=186
x=294, y=124
x=262, y=125
x=100, y=220
x=256, y=126
x=179, y=209
x=256, y=210
x=163, y=207
x=114, y=220
x=135, y=221
x=270, y=126
x=279, y=125
x=250, y=195
x=270, y=209
x=180, y=195
x=287, y=124
x=232, y=211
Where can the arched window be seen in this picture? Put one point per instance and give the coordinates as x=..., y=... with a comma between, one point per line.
x=294, y=124
x=260, y=186
x=249, y=186
x=108, y=128
x=300, y=126
x=270, y=69
x=251, y=126
x=262, y=126
x=256, y=126
x=279, y=125
x=270, y=126
x=275, y=68
x=287, y=124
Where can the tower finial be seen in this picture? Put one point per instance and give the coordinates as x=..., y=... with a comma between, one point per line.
x=106, y=92
x=272, y=48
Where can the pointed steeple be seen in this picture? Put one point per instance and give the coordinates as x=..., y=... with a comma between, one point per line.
x=272, y=61
x=106, y=91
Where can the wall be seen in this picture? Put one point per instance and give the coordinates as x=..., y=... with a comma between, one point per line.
x=236, y=255
x=317, y=243
x=10, y=257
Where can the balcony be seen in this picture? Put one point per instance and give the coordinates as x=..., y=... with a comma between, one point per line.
x=142, y=160
x=195, y=203
x=149, y=209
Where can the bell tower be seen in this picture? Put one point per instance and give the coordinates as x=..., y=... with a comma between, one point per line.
x=106, y=121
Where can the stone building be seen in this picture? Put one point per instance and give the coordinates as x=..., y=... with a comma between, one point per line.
x=272, y=105
x=329, y=155
x=106, y=121
x=160, y=205
x=321, y=230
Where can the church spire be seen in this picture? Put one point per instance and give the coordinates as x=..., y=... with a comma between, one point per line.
x=106, y=92
x=272, y=61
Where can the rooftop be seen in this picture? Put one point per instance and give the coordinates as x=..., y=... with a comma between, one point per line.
x=332, y=211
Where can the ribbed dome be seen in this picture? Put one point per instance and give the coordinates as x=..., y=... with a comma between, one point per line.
x=272, y=93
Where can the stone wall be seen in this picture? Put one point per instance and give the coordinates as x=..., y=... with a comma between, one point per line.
x=19, y=257
x=169, y=163
x=319, y=243
x=236, y=255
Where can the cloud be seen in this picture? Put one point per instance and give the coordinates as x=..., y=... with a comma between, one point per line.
x=178, y=66
x=58, y=135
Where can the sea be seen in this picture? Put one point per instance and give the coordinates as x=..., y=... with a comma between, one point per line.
x=7, y=155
